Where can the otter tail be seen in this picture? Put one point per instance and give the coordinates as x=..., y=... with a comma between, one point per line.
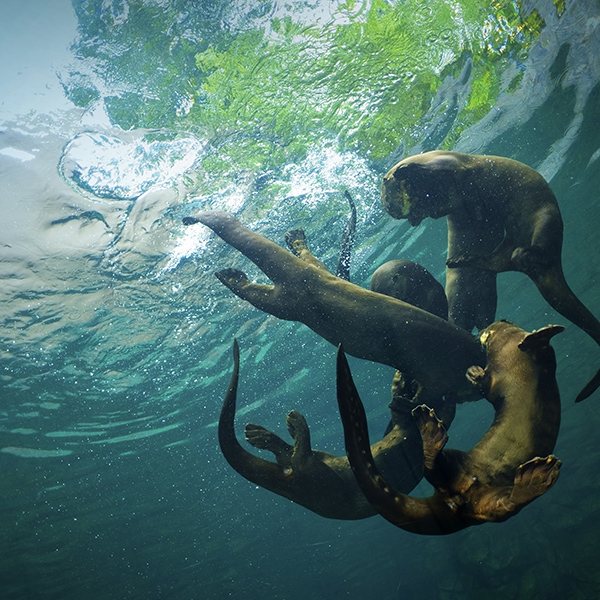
x=590, y=387
x=556, y=291
x=343, y=266
x=417, y=515
x=253, y=468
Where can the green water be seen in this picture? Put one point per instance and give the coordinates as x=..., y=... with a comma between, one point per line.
x=117, y=119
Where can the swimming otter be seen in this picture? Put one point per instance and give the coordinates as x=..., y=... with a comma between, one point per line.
x=502, y=216
x=371, y=326
x=410, y=282
x=319, y=481
x=498, y=476
x=406, y=281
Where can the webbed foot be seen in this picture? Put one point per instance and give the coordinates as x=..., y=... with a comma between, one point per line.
x=298, y=428
x=297, y=425
x=296, y=241
x=433, y=433
x=234, y=279
x=534, y=478
x=259, y=437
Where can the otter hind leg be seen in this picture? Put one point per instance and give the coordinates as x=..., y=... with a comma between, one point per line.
x=298, y=428
x=534, y=478
x=433, y=434
x=234, y=279
x=532, y=260
x=264, y=297
x=259, y=437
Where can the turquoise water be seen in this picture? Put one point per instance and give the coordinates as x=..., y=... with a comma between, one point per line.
x=116, y=337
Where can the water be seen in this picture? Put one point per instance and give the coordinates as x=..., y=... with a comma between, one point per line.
x=116, y=337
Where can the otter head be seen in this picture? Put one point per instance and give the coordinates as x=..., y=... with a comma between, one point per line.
x=410, y=282
x=421, y=186
x=497, y=334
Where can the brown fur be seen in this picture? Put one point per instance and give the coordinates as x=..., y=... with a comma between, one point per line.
x=501, y=474
x=410, y=282
x=319, y=481
x=371, y=326
x=502, y=216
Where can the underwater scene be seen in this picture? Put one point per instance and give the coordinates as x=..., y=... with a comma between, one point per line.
x=146, y=145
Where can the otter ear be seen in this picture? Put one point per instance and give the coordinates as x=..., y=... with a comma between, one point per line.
x=540, y=338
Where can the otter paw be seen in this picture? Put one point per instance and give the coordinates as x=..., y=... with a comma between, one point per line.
x=234, y=279
x=533, y=478
x=296, y=241
x=298, y=429
x=296, y=423
x=433, y=434
x=263, y=439
x=259, y=437
x=478, y=377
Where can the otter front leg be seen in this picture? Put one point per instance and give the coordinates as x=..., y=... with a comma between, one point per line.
x=275, y=262
x=433, y=433
x=264, y=297
x=480, y=379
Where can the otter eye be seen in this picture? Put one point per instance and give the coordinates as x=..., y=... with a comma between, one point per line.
x=485, y=335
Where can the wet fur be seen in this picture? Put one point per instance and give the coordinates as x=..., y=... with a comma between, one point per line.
x=319, y=481
x=511, y=465
x=502, y=216
x=371, y=326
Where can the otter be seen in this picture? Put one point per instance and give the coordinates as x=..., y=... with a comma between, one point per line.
x=319, y=481
x=343, y=266
x=511, y=465
x=406, y=281
x=410, y=282
x=370, y=325
x=502, y=216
